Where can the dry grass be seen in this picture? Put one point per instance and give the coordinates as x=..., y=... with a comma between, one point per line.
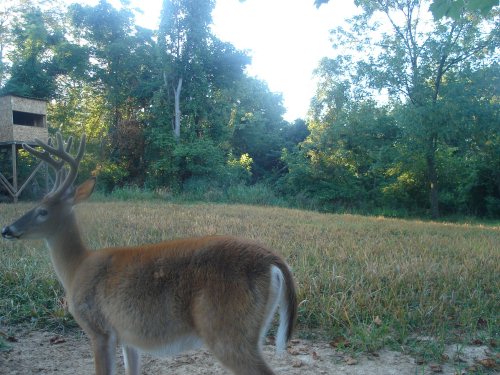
x=375, y=281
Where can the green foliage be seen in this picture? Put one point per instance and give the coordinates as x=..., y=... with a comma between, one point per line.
x=200, y=158
x=111, y=175
x=215, y=95
x=257, y=194
x=448, y=8
x=344, y=153
x=257, y=123
x=29, y=293
x=432, y=146
x=201, y=189
x=240, y=169
x=122, y=68
x=455, y=8
x=131, y=193
x=41, y=54
x=371, y=158
x=421, y=151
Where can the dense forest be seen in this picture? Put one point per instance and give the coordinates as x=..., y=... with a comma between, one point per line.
x=405, y=118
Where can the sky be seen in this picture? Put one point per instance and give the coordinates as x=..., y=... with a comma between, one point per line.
x=286, y=39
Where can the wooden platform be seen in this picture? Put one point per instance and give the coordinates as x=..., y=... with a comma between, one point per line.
x=22, y=120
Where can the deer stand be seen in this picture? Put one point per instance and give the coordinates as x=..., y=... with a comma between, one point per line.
x=22, y=120
x=13, y=187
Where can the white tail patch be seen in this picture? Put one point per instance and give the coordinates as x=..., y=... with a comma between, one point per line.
x=277, y=297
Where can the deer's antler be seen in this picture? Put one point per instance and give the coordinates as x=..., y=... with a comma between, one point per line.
x=61, y=151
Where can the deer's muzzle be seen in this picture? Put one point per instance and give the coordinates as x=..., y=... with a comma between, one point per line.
x=9, y=233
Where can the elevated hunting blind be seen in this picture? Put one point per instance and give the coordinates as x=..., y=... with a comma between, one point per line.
x=21, y=121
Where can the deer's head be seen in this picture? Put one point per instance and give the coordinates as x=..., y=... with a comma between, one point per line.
x=45, y=219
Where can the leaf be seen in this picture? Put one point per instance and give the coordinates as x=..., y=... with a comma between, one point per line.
x=340, y=341
x=351, y=361
x=455, y=8
x=487, y=362
x=477, y=342
x=318, y=3
x=436, y=368
x=484, y=6
x=57, y=340
x=440, y=8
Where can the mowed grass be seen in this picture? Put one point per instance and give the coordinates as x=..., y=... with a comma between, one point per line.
x=363, y=282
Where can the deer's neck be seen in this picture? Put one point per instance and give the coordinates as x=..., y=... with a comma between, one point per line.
x=67, y=250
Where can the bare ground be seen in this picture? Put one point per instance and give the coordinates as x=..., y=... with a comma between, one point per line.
x=40, y=352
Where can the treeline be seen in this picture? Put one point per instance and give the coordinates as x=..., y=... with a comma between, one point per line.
x=405, y=121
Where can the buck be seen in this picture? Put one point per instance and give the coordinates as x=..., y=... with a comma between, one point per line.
x=162, y=298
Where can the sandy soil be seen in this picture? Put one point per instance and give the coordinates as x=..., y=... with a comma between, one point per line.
x=39, y=352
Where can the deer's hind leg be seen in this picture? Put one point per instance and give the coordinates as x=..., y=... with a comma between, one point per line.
x=243, y=360
x=132, y=360
x=231, y=323
x=239, y=353
x=104, y=353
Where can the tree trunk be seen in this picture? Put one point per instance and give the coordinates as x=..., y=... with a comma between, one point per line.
x=177, y=96
x=433, y=176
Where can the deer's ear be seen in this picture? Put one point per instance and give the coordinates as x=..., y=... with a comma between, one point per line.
x=84, y=191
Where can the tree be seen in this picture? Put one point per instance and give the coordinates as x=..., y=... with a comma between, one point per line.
x=258, y=125
x=342, y=161
x=411, y=59
x=473, y=174
x=201, y=77
x=40, y=52
x=121, y=55
x=183, y=39
x=448, y=8
x=124, y=71
x=8, y=11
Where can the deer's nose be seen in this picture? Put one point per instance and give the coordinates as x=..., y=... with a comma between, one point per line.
x=7, y=233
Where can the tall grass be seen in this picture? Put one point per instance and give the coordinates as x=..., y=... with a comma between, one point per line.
x=29, y=291
x=257, y=194
x=374, y=281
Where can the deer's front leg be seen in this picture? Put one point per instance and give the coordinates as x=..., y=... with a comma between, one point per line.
x=104, y=347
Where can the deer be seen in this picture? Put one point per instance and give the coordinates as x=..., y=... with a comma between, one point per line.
x=220, y=292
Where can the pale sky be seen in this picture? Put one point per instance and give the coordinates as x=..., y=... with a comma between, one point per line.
x=285, y=38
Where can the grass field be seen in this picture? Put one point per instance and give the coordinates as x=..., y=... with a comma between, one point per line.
x=363, y=282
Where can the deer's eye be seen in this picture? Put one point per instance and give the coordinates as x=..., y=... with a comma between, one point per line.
x=43, y=212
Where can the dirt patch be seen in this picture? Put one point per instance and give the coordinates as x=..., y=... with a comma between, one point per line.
x=39, y=352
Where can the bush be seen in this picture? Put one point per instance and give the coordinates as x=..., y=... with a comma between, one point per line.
x=202, y=189
x=258, y=194
x=111, y=175
x=199, y=159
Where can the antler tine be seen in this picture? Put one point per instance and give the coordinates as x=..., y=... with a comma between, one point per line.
x=44, y=155
x=57, y=181
x=69, y=142
x=61, y=151
x=73, y=162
